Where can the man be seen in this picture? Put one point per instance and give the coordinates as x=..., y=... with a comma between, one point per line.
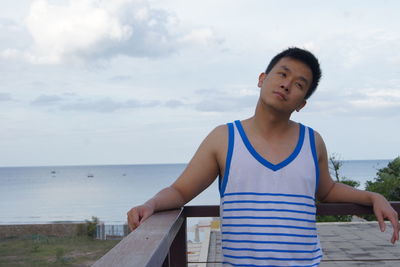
x=272, y=169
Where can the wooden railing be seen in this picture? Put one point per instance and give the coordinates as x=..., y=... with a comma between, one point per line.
x=161, y=239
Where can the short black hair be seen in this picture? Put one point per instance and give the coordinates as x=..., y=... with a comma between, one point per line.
x=303, y=56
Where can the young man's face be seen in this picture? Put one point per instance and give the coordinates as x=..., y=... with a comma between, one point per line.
x=286, y=85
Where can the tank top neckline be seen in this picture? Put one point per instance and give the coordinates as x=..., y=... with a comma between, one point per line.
x=264, y=161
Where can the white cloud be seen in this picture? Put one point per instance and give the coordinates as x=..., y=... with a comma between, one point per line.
x=358, y=47
x=99, y=29
x=311, y=46
x=378, y=98
x=364, y=102
x=11, y=54
x=95, y=28
x=6, y=23
x=224, y=101
x=391, y=93
x=5, y=97
x=106, y=105
x=45, y=100
x=206, y=101
x=203, y=36
x=174, y=103
x=72, y=102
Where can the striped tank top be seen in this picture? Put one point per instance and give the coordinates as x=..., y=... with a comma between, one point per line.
x=268, y=210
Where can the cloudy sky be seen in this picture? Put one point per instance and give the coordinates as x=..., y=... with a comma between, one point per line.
x=136, y=81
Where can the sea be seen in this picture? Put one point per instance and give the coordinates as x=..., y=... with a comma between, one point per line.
x=76, y=193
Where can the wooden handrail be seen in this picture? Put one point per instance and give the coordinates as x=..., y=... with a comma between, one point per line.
x=149, y=244
x=161, y=239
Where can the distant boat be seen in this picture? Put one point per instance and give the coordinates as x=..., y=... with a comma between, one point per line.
x=53, y=172
x=90, y=175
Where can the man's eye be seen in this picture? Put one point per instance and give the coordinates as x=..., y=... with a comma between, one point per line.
x=282, y=74
x=299, y=85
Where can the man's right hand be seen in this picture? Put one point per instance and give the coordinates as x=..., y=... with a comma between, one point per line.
x=139, y=214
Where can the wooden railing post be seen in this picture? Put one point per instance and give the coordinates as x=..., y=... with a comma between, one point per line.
x=178, y=250
x=166, y=262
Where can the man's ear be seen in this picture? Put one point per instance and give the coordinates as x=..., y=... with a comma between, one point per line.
x=301, y=105
x=261, y=78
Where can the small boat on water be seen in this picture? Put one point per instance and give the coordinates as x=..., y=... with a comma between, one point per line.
x=90, y=175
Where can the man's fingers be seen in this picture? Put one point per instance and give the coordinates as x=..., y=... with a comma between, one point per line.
x=396, y=227
x=138, y=214
x=395, y=235
x=130, y=222
x=133, y=219
x=142, y=219
x=381, y=222
x=393, y=240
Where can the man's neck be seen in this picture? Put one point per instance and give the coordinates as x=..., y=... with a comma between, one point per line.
x=268, y=121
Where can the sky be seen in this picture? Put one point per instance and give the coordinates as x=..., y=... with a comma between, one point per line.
x=138, y=82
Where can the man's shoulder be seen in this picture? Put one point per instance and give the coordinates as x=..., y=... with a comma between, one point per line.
x=216, y=142
x=317, y=136
x=319, y=141
x=316, y=133
x=219, y=132
x=218, y=137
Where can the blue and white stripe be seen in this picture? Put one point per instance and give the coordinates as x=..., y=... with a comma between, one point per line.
x=268, y=210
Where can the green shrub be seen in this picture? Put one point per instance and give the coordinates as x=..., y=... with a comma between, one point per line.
x=37, y=240
x=387, y=183
x=334, y=218
x=91, y=226
x=35, y=247
x=60, y=254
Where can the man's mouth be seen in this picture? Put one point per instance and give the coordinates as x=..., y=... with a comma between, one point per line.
x=281, y=95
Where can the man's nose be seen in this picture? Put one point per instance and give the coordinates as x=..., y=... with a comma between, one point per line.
x=285, y=85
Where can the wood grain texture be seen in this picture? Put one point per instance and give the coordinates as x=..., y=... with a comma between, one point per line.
x=148, y=245
x=161, y=239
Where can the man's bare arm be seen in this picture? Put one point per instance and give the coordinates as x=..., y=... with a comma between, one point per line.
x=197, y=176
x=330, y=191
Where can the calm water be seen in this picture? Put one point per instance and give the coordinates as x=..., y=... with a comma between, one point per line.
x=76, y=193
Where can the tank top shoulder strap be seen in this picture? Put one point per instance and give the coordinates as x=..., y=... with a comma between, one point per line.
x=231, y=139
x=314, y=154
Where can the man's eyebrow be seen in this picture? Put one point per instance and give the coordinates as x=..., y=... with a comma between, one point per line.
x=285, y=68
x=303, y=79
x=288, y=70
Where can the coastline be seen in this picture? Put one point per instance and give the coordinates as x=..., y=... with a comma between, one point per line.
x=69, y=195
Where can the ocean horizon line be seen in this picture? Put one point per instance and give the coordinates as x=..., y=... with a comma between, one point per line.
x=147, y=164
x=91, y=165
